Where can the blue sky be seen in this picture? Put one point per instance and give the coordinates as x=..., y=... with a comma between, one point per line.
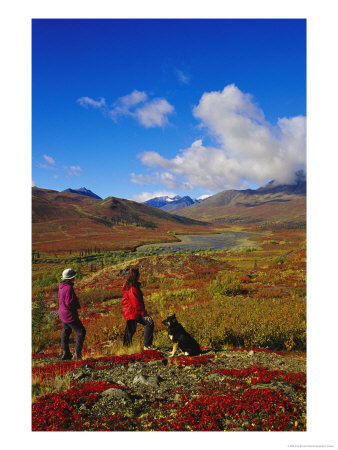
x=136, y=108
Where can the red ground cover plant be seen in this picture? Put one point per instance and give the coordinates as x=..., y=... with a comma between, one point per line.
x=257, y=374
x=57, y=412
x=219, y=407
x=44, y=355
x=116, y=422
x=224, y=405
x=104, y=362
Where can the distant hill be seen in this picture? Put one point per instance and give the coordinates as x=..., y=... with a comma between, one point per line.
x=83, y=191
x=182, y=202
x=270, y=203
x=64, y=221
x=171, y=203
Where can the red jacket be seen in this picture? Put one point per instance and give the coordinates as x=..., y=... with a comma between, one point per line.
x=132, y=303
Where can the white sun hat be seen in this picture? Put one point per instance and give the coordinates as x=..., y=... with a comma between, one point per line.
x=68, y=274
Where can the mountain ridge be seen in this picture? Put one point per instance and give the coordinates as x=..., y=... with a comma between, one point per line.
x=82, y=191
x=269, y=202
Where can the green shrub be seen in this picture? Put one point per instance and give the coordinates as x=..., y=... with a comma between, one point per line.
x=226, y=284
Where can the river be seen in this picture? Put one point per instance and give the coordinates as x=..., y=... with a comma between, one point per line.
x=227, y=239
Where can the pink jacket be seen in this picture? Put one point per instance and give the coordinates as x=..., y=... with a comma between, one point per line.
x=68, y=303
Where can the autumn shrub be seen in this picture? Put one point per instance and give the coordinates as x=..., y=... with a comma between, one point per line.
x=165, y=301
x=99, y=294
x=225, y=284
x=161, y=339
x=246, y=322
x=43, y=387
x=105, y=328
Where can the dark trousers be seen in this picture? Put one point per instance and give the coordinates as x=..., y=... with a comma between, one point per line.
x=80, y=332
x=131, y=329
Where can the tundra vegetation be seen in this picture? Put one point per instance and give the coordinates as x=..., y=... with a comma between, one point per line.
x=251, y=298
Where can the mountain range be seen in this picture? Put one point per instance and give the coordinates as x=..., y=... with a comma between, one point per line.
x=78, y=218
x=66, y=220
x=270, y=203
x=171, y=203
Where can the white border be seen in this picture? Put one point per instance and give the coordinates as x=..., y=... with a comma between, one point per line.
x=16, y=182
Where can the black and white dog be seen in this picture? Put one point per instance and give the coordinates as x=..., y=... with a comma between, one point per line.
x=181, y=338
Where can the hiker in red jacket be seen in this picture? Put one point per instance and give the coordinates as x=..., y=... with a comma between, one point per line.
x=68, y=306
x=134, y=311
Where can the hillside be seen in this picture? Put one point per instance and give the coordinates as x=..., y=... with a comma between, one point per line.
x=63, y=222
x=281, y=204
x=243, y=390
x=247, y=310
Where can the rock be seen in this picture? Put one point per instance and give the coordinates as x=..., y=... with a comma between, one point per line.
x=215, y=377
x=114, y=393
x=158, y=362
x=81, y=373
x=136, y=366
x=153, y=381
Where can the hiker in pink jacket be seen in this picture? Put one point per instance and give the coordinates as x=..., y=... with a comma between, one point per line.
x=68, y=307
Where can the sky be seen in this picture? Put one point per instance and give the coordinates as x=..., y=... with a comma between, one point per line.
x=139, y=108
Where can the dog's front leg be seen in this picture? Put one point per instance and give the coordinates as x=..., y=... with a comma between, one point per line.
x=175, y=346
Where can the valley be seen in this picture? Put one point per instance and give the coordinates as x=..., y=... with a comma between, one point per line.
x=222, y=240
x=238, y=286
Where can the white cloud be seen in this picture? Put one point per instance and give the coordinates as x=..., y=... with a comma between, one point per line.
x=203, y=197
x=172, y=182
x=249, y=149
x=125, y=105
x=33, y=183
x=185, y=79
x=169, y=180
x=148, y=195
x=87, y=101
x=73, y=170
x=149, y=113
x=154, y=113
x=50, y=165
x=142, y=179
x=49, y=159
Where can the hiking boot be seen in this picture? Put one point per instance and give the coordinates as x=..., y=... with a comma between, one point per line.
x=77, y=357
x=150, y=347
x=66, y=356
